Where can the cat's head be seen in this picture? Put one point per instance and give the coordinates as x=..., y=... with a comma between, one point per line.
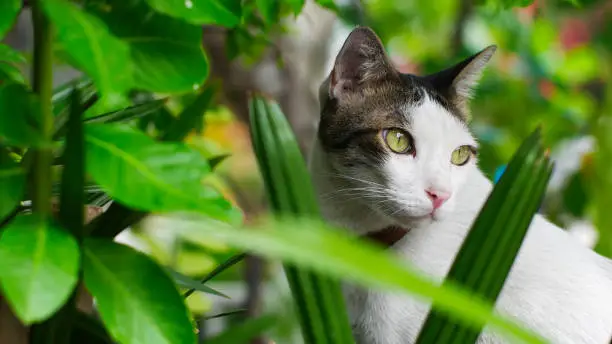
x=399, y=142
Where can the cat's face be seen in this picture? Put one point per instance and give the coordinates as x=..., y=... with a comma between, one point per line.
x=399, y=143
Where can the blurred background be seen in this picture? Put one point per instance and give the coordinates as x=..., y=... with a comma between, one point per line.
x=552, y=68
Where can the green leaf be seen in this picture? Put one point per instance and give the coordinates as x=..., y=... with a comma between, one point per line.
x=94, y=50
x=296, y=5
x=329, y=4
x=8, y=54
x=199, y=12
x=10, y=74
x=137, y=301
x=320, y=304
x=166, y=53
x=219, y=269
x=326, y=250
x=269, y=9
x=8, y=13
x=190, y=116
x=19, y=117
x=38, y=267
x=12, y=183
x=129, y=113
x=151, y=176
x=72, y=197
x=188, y=282
x=487, y=254
x=244, y=332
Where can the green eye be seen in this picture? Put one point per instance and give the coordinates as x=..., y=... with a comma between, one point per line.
x=398, y=140
x=461, y=155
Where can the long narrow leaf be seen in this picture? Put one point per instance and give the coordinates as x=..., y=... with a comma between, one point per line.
x=217, y=270
x=486, y=256
x=314, y=245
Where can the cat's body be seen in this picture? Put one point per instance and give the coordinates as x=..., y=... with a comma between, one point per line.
x=366, y=183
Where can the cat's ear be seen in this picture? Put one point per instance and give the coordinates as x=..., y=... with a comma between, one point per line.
x=361, y=60
x=458, y=81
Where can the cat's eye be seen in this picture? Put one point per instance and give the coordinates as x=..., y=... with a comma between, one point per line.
x=398, y=141
x=461, y=155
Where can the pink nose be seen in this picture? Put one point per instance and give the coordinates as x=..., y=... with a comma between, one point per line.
x=437, y=197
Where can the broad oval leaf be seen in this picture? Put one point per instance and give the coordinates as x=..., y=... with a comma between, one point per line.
x=166, y=53
x=200, y=12
x=19, y=117
x=151, y=176
x=12, y=182
x=105, y=58
x=39, y=264
x=8, y=13
x=137, y=301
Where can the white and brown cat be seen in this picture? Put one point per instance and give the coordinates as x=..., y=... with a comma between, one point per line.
x=394, y=151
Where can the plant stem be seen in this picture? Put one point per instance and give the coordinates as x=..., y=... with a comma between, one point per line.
x=42, y=157
x=42, y=83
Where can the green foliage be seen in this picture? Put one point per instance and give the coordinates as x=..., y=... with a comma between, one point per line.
x=20, y=123
x=87, y=41
x=487, y=254
x=111, y=136
x=319, y=301
x=38, y=267
x=165, y=53
x=8, y=12
x=122, y=279
x=12, y=183
x=198, y=11
x=142, y=174
x=242, y=334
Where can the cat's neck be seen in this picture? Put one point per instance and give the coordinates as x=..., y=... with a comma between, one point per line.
x=349, y=212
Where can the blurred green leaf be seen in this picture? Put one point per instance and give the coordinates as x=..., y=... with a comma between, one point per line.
x=8, y=13
x=215, y=161
x=199, y=12
x=19, y=117
x=602, y=181
x=188, y=282
x=137, y=301
x=129, y=113
x=10, y=74
x=72, y=196
x=327, y=250
x=143, y=174
x=296, y=5
x=217, y=270
x=8, y=54
x=486, y=256
x=244, y=332
x=166, y=53
x=269, y=9
x=191, y=116
x=12, y=184
x=88, y=42
x=38, y=267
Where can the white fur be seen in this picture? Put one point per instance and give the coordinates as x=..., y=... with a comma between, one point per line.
x=557, y=287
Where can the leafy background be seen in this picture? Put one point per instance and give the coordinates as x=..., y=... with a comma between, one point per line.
x=552, y=67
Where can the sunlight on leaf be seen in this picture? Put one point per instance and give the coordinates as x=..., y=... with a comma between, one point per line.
x=38, y=267
x=137, y=300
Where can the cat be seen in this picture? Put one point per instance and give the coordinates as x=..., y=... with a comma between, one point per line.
x=394, y=150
